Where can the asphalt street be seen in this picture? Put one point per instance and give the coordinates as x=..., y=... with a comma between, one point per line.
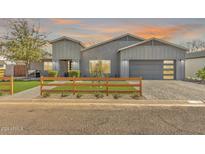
x=93, y=119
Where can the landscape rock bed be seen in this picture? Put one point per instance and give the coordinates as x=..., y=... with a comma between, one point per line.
x=92, y=96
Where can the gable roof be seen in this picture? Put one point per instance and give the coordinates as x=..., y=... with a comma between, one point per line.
x=113, y=39
x=154, y=39
x=66, y=38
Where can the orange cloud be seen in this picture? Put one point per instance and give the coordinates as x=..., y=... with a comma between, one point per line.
x=65, y=21
x=145, y=31
x=166, y=32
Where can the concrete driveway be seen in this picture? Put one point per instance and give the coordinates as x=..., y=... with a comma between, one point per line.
x=173, y=90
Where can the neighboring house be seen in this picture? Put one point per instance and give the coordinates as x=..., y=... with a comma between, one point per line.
x=194, y=62
x=7, y=66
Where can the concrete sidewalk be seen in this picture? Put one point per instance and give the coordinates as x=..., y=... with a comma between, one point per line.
x=101, y=102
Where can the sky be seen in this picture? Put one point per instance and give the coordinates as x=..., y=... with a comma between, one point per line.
x=93, y=30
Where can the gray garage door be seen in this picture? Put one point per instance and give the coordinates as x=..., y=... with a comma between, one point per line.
x=148, y=69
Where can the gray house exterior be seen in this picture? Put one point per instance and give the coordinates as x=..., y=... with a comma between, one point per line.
x=194, y=62
x=107, y=50
x=123, y=56
x=66, y=54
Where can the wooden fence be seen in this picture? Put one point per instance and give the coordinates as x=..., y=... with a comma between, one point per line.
x=7, y=85
x=74, y=84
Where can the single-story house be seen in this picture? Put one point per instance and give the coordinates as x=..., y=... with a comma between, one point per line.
x=123, y=56
x=194, y=62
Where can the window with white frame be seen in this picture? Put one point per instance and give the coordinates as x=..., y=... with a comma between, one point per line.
x=103, y=66
x=48, y=66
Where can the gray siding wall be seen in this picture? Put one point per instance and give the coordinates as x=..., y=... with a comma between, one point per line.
x=152, y=53
x=193, y=65
x=106, y=51
x=65, y=49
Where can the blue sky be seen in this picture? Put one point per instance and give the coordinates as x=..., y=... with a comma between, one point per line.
x=91, y=31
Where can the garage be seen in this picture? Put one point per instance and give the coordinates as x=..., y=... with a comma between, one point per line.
x=153, y=59
x=147, y=69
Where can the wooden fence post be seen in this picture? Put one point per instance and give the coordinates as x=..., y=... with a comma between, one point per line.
x=140, y=87
x=73, y=85
x=11, y=85
x=107, y=86
x=41, y=85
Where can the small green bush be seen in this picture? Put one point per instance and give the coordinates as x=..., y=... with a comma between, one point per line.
x=135, y=96
x=99, y=95
x=1, y=94
x=64, y=95
x=74, y=73
x=52, y=73
x=46, y=94
x=79, y=95
x=201, y=73
x=116, y=96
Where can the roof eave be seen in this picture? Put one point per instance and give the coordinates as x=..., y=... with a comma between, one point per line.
x=110, y=40
x=166, y=42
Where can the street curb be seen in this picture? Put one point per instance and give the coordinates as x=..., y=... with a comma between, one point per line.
x=101, y=102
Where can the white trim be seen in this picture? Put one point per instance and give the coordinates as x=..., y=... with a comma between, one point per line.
x=162, y=41
x=110, y=40
x=66, y=38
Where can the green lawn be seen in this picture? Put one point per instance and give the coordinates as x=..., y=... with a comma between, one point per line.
x=96, y=88
x=22, y=85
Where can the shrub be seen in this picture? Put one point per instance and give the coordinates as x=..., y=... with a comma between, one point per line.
x=52, y=73
x=116, y=96
x=74, y=73
x=46, y=94
x=201, y=73
x=64, y=95
x=79, y=95
x=1, y=94
x=99, y=95
x=135, y=96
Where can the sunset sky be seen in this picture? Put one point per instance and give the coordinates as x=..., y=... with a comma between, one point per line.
x=91, y=31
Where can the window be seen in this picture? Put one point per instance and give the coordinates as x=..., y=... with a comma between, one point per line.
x=69, y=65
x=168, y=77
x=168, y=62
x=168, y=70
x=2, y=66
x=102, y=66
x=48, y=66
x=168, y=67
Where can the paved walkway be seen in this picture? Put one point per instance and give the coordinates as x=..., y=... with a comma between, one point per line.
x=29, y=93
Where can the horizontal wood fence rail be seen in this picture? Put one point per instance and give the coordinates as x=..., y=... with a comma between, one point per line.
x=106, y=84
x=7, y=85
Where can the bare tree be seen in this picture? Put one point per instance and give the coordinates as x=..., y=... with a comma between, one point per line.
x=195, y=45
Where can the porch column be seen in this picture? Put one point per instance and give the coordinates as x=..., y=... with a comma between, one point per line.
x=180, y=69
x=56, y=65
x=124, y=68
x=76, y=64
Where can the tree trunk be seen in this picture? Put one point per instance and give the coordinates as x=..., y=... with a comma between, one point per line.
x=27, y=68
